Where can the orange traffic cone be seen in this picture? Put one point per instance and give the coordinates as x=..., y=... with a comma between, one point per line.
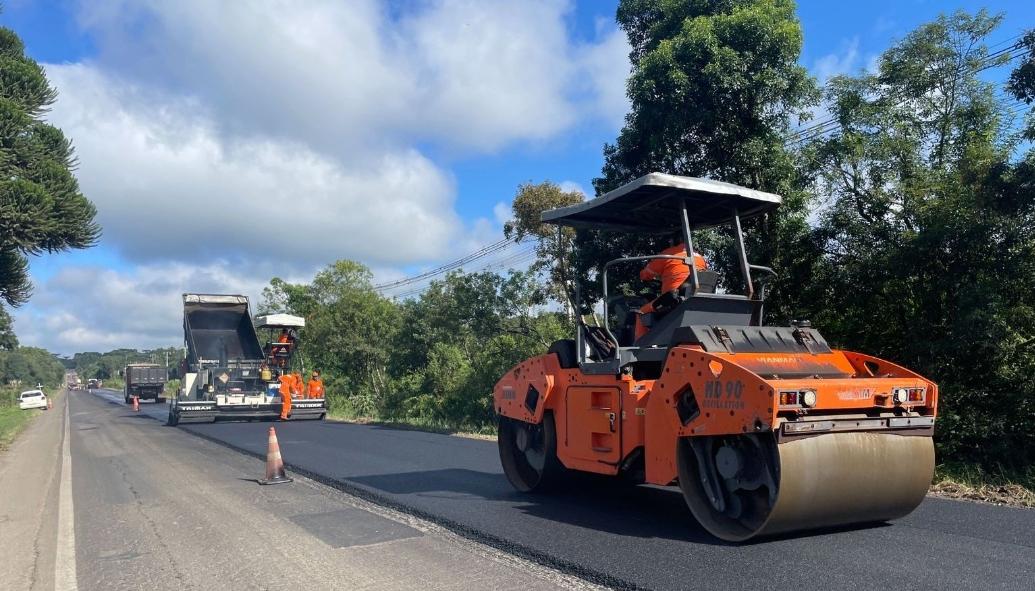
x=136, y=403
x=274, y=464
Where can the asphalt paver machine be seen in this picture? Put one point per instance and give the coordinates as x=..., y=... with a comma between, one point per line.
x=765, y=429
x=222, y=371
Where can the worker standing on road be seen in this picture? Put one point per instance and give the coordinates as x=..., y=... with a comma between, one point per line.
x=286, y=385
x=315, y=386
x=672, y=273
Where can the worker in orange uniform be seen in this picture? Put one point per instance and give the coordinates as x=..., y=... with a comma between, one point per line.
x=279, y=351
x=297, y=385
x=286, y=386
x=673, y=273
x=315, y=386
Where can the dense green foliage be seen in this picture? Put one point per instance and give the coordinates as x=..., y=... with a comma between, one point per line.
x=928, y=233
x=24, y=367
x=432, y=360
x=111, y=365
x=41, y=207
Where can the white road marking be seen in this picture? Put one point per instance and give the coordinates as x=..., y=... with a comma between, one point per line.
x=64, y=559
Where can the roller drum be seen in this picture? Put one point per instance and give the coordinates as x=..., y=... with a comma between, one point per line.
x=805, y=483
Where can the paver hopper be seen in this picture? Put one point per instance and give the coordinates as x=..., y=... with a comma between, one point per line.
x=221, y=377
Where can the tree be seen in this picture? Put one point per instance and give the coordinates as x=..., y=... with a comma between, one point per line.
x=714, y=89
x=928, y=239
x=41, y=207
x=347, y=333
x=8, y=340
x=553, y=244
x=29, y=366
x=1022, y=80
x=459, y=337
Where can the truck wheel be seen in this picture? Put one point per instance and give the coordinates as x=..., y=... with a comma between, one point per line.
x=160, y=400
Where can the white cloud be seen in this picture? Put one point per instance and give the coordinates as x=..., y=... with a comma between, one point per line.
x=492, y=71
x=502, y=212
x=166, y=187
x=340, y=76
x=88, y=308
x=228, y=142
x=606, y=66
x=834, y=64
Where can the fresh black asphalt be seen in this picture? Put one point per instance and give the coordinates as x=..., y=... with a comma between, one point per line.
x=639, y=536
x=644, y=536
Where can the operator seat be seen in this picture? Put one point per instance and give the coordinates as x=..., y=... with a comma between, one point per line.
x=667, y=301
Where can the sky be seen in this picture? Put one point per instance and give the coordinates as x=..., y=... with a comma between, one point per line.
x=228, y=142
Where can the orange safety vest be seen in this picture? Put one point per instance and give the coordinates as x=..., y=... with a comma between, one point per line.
x=297, y=385
x=286, y=385
x=315, y=388
x=673, y=273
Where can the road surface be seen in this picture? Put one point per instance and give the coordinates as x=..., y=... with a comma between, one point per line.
x=101, y=498
x=626, y=536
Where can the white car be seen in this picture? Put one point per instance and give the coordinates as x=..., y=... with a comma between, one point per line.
x=32, y=399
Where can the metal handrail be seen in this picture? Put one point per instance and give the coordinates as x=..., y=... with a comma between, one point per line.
x=607, y=325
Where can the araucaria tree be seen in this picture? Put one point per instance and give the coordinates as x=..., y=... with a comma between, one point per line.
x=41, y=206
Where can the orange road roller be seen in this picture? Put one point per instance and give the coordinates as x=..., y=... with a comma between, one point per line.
x=765, y=429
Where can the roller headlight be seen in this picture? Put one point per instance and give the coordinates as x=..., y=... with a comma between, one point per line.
x=808, y=398
x=900, y=395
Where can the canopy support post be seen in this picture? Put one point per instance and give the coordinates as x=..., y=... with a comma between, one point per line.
x=745, y=268
x=688, y=241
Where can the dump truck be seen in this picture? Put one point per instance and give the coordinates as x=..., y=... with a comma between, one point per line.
x=765, y=429
x=146, y=381
x=222, y=371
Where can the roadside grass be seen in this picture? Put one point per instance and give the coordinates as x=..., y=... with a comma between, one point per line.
x=972, y=482
x=12, y=421
x=12, y=418
x=114, y=383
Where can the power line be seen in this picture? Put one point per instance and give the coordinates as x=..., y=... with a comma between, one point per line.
x=829, y=124
x=501, y=262
x=509, y=261
x=480, y=253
